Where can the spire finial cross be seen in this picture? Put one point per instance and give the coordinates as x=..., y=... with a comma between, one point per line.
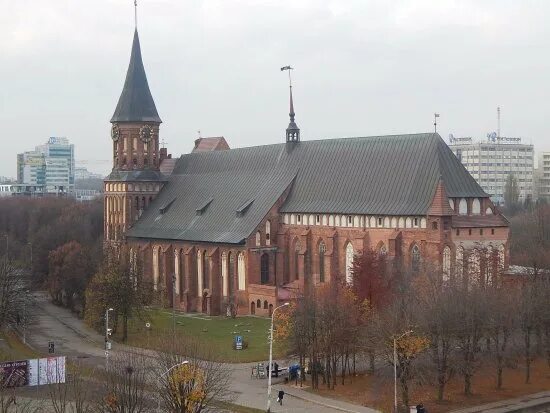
x=135, y=12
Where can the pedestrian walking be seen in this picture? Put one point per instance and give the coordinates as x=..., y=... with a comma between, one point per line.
x=420, y=408
x=280, y=397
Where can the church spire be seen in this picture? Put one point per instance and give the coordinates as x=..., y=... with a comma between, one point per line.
x=136, y=103
x=292, y=131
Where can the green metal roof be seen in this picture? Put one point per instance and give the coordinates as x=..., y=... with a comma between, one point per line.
x=382, y=175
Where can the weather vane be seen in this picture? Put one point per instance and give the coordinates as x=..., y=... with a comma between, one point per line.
x=289, y=77
x=135, y=11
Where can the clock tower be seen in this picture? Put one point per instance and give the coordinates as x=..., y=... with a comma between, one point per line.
x=136, y=178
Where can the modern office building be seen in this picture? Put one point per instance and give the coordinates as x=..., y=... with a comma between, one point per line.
x=543, y=176
x=50, y=165
x=490, y=162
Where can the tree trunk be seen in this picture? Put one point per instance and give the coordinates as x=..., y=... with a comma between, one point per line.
x=527, y=355
x=124, y=328
x=404, y=390
x=468, y=384
x=371, y=361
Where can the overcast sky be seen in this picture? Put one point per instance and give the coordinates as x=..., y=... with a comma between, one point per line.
x=362, y=67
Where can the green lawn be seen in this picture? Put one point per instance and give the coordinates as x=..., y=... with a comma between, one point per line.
x=12, y=348
x=218, y=332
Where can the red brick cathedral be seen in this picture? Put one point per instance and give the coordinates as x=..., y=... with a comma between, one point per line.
x=249, y=227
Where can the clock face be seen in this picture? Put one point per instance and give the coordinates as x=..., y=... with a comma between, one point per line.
x=146, y=133
x=115, y=132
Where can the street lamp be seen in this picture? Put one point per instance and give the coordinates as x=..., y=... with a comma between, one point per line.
x=271, y=357
x=107, y=337
x=395, y=367
x=182, y=363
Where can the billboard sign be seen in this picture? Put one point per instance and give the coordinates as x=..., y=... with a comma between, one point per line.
x=48, y=370
x=14, y=373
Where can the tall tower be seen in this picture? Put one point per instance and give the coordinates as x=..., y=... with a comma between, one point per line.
x=136, y=178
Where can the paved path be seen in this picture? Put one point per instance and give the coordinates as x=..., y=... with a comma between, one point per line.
x=73, y=339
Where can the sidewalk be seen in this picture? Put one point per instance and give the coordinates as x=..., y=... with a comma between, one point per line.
x=72, y=338
x=538, y=402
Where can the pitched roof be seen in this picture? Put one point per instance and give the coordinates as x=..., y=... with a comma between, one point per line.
x=440, y=203
x=210, y=144
x=383, y=175
x=136, y=103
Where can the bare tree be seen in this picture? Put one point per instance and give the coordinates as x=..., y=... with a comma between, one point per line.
x=125, y=385
x=15, y=297
x=74, y=395
x=439, y=319
x=188, y=381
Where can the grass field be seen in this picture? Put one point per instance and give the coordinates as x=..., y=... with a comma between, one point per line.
x=11, y=348
x=217, y=332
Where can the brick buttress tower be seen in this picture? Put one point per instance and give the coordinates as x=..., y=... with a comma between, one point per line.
x=136, y=178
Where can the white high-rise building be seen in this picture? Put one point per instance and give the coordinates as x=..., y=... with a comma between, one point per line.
x=490, y=162
x=51, y=166
x=543, y=178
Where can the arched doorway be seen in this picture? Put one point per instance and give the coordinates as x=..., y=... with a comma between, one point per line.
x=252, y=308
x=270, y=310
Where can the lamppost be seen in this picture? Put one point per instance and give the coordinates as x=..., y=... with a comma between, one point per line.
x=271, y=357
x=107, y=338
x=395, y=367
x=182, y=363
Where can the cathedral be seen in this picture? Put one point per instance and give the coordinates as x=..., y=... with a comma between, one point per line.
x=246, y=229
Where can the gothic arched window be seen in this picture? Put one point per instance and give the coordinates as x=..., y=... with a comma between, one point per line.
x=297, y=248
x=156, y=268
x=322, y=250
x=267, y=233
x=205, y=272
x=258, y=239
x=264, y=268
x=241, y=271
x=415, y=258
x=476, y=206
x=349, y=263
x=199, y=274
x=446, y=264
x=224, y=275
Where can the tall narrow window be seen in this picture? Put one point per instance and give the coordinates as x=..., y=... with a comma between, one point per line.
x=446, y=264
x=258, y=239
x=501, y=258
x=490, y=264
x=241, y=271
x=205, y=271
x=297, y=248
x=156, y=268
x=231, y=282
x=459, y=267
x=349, y=263
x=224, y=275
x=267, y=233
x=415, y=258
x=177, y=272
x=199, y=274
x=322, y=250
x=264, y=268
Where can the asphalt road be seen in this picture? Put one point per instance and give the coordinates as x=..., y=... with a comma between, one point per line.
x=73, y=339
